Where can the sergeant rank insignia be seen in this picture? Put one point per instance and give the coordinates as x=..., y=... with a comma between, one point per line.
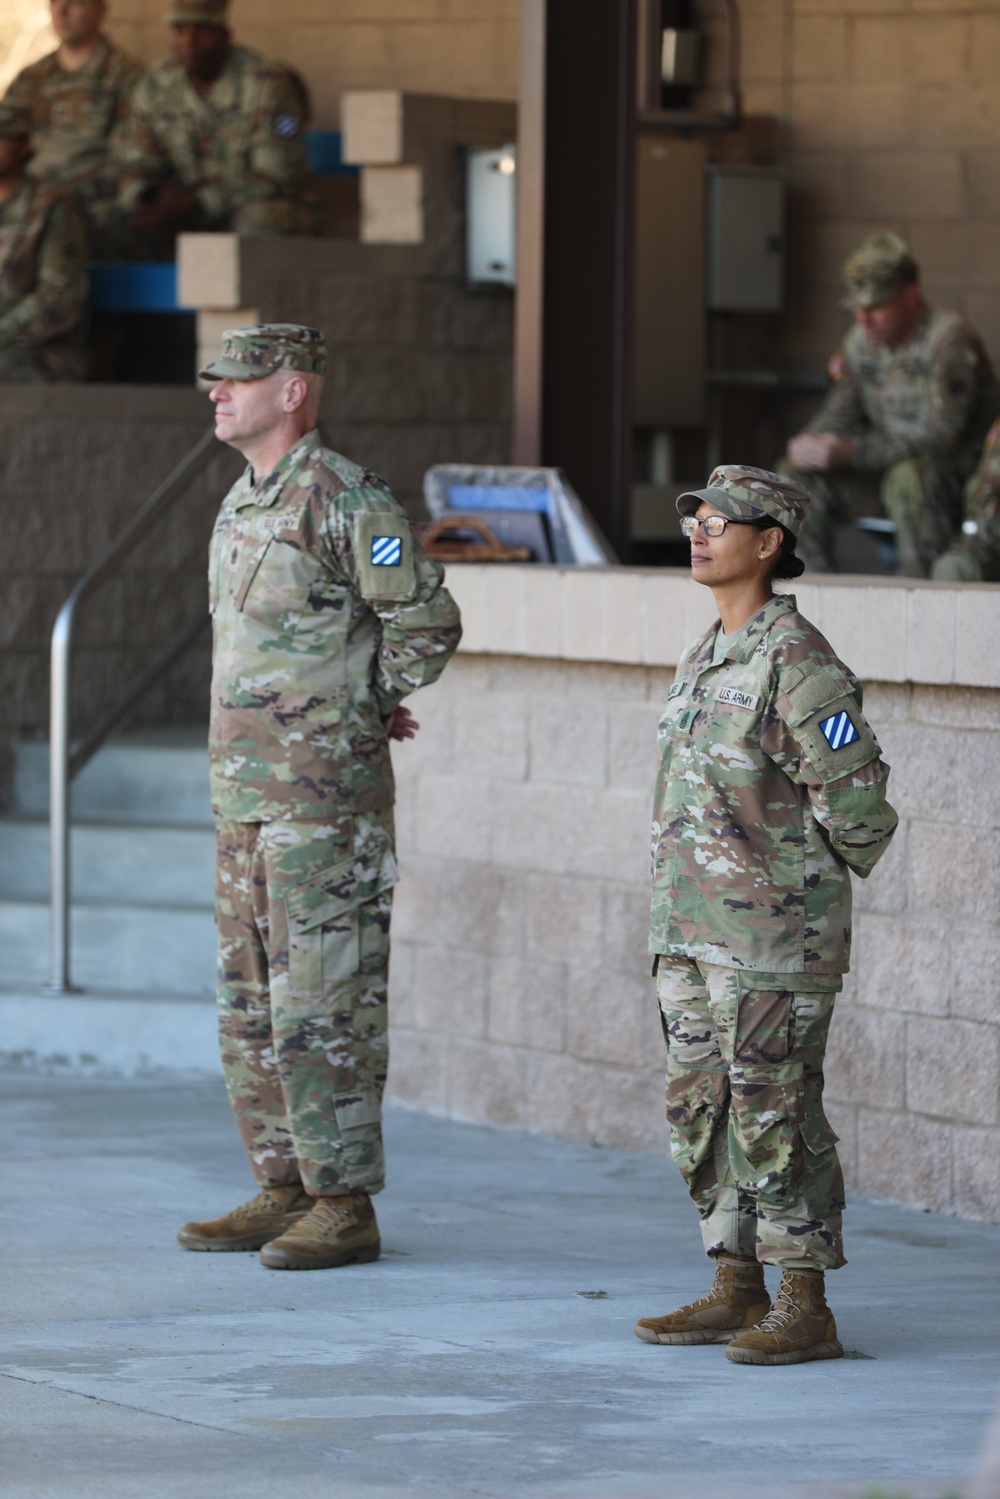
x=838, y=731
x=387, y=551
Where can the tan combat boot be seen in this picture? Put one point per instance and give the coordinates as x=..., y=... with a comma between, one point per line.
x=798, y=1328
x=336, y=1231
x=738, y=1299
x=253, y=1223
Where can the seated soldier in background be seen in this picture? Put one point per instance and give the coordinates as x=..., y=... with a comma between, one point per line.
x=975, y=557
x=43, y=265
x=78, y=96
x=913, y=398
x=215, y=139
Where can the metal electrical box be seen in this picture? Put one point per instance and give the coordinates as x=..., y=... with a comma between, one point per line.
x=670, y=281
x=746, y=239
x=491, y=216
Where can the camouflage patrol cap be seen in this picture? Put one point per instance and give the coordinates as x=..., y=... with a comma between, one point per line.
x=254, y=353
x=750, y=494
x=877, y=269
x=197, y=13
x=15, y=121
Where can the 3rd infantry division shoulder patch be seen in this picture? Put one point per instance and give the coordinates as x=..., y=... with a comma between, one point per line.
x=838, y=731
x=387, y=551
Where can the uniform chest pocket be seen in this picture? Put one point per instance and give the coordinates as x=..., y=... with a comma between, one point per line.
x=274, y=581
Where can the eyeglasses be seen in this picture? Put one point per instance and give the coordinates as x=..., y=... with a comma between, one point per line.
x=713, y=525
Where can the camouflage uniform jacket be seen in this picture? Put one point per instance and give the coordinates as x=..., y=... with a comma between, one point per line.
x=43, y=282
x=241, y=142
x=326, y=613
x=770, y=790
x=934, y=396
x=982, y=508
x=74, y=115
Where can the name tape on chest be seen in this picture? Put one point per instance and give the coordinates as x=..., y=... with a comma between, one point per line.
x=387, y=551
x=838, y=730
x=737, y=698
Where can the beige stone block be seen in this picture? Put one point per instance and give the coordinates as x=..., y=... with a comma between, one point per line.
x=978, y=623
x=392, y=205
x=819, y=47
x=699, y=610
x=869, y=115
x=543, y=616
x=984, y=53
x=909, y=184
x=960, y=707
x=850, y=7
x=583, y=603
x=878, y=50
x=371, y=121
x=568, y=746
x=885, y=891
x=509, y=587
x=625, y=948
x=527, y=1004
x=938, y=48
x=954, y=871
x=449, y=990
x=885, y=656
x=982, y=308
x=966, y=118
x=487, y=910
x=623, y=616
x=905, y=1158
x=822, y=182
x=942, y=252
x=983, y=240
x=208, y=271
x=614, y=843
x=982, y=170
x=888, y=702
x=423, y=900
x=842, y=620
x=633, y=757
x=468, y=584
x=612, y=1017
x=418, y=1071
x=454, y=818
x=975, y=983
x=976, y=1173
x=953, y=1069
x=626, y=1108
x=492, y=1083
x=903, y=966
x=976, y=757
x=537, y=827
x=491, y=735
x=865, y=1058
x=924, y=772
x=931, y=633
x=433, y=57
x=663, y=600
x=564, y=920
x=763, y=50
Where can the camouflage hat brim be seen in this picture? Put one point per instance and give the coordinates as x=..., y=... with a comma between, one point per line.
x=235, y=369
x=874, y=295
x=725, y=503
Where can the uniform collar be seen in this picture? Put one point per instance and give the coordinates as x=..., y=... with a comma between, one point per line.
x=741, y=648
x=265, y=492
x=224, y=92
x=95, y=63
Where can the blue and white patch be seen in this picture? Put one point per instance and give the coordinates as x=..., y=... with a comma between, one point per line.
x=838, y=731
x=387, y=551
x=286, y=126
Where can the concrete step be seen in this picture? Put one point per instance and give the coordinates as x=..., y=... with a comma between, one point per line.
x=103, y=1033
x=116, y=947
x=156, y=776
x=133, y=864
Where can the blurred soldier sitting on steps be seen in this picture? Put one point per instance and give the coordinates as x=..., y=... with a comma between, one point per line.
x=43, y=274
x=79, y=97
x=975, y=557
x=912, y=400
x=215, y=139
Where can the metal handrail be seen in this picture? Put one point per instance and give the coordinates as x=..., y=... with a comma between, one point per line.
x=65, y=761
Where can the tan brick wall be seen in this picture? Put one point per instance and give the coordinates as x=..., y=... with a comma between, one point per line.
x=889, y=116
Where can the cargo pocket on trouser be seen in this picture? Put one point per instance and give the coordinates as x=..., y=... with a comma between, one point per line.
x=332, y=1049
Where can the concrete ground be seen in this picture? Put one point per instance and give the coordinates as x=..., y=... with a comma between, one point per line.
x=489, y=1352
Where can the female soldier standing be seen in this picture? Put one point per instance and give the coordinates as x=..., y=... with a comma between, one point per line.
x=770, y=790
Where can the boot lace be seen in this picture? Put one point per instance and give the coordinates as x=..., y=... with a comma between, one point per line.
x=784, y=1311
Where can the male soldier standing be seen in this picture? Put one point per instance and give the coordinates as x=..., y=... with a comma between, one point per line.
x=215, y=140
x=43, y=271
x=78, y=97
x=326, y=613
x=913, y=398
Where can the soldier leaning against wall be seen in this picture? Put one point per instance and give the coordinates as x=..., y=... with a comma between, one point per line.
x=912, y=399
x=43, y=271
x=215, y=140
x=79, y=97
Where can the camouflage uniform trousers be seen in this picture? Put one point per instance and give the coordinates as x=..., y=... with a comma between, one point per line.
x=922, y=498
x=303, y=914
x=744, y=1103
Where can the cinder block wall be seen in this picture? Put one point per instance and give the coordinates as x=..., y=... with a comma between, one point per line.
x=520, y=982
